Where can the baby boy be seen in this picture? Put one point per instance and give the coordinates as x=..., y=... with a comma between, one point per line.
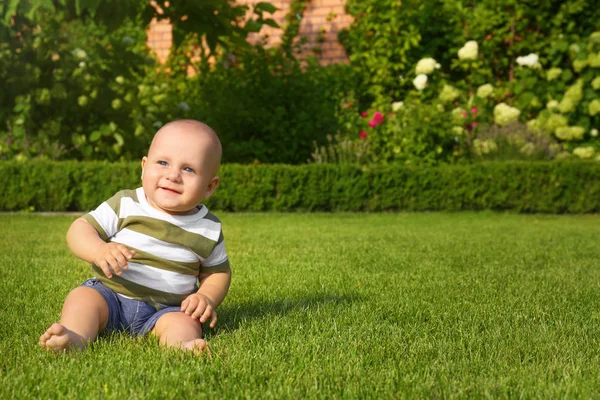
x=157, y=253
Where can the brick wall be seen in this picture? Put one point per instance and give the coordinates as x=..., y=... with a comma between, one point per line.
x=323, y=18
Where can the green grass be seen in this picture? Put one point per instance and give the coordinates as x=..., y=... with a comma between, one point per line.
x=336, y=306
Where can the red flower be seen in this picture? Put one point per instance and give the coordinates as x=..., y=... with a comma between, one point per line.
x=474, y=110
x=378, y=118
x=362, y=135
x=372, y=123
x=364, y=114
x=474, y=124
x=464, y=113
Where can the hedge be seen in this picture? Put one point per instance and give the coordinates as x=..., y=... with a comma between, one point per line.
x=543, y=187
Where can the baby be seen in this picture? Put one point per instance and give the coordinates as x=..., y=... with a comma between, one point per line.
x=158, y=254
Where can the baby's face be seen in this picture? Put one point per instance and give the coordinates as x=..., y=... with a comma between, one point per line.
x=179, y=170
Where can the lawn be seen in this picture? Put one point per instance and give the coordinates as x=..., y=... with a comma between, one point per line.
x=405, y=305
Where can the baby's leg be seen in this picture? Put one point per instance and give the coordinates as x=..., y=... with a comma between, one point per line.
x=84, y=315
x=177, y=329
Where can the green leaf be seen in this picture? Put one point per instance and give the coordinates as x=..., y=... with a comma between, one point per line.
x=119, y=139
x=264, y=6
x=253, y=26
x=271, y=23
x=95, y=136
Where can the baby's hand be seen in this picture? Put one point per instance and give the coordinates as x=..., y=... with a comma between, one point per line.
x=112, y=255
x=198, y=306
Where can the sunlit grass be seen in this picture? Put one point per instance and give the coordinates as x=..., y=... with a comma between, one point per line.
x=336, y=306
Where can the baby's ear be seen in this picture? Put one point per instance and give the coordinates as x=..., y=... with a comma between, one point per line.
x=212, y=186
x=144, y=160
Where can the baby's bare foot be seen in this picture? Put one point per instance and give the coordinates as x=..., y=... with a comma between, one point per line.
x=197, y=346
x=58, y=338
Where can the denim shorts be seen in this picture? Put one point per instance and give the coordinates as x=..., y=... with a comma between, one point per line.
x=127, y=315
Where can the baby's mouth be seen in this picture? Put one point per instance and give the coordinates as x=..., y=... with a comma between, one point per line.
x=170, y=190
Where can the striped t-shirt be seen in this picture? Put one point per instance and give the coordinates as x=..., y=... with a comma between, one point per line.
x=170, y=250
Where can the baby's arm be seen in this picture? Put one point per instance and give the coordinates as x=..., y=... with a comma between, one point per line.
x=203, y=304
x=85, y=243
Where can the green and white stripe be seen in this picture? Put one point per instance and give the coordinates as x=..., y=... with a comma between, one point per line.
x=171, y=251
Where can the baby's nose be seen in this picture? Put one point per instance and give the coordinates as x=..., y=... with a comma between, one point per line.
x=173, y=174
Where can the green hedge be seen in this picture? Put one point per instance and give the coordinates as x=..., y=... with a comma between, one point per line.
x=567, y=187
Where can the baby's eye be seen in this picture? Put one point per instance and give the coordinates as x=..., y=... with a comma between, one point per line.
x=188, y=169
x=160, y=162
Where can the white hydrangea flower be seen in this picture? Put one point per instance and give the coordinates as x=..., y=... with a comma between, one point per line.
x=482, y=147
x=527, y=149
x=570, y=132
x=505, y=114
x=484, y=91
x=469, y=51
x=79, y=53
x=594, y=132
x=531, y=60
x=458, y=115
x=552, y=104
x=555, y=121
x=397, y=105
x=572, y=97
x=553, y=73
x=579, y=65
x=534, y=124
x=426, y=66
x=448, y=94
x=459, y=130
x=420, y=81
x=594, y=107
x=574, y=48
x=584, y=152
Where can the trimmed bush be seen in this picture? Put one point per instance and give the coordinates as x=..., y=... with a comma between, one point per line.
x=544, y=187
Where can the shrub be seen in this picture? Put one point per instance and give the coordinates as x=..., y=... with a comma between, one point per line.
x=388, y=37
x=556, y=187
x=266, y=107
x=76, y=91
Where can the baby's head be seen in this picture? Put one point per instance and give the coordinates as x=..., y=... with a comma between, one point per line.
x=181, y=166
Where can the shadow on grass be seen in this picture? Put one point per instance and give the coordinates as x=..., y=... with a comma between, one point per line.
x=232, y=316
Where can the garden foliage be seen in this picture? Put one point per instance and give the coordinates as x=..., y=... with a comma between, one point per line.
x=472, y=68
x=440, y=81
x=546, y=187
x=266, y=107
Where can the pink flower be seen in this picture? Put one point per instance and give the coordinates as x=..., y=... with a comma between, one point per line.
x=362, y=135
x=364, y=114
x=378, y=118
x=372, y=123
x=474, y=124
x=474, y=110
x=464, y=113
